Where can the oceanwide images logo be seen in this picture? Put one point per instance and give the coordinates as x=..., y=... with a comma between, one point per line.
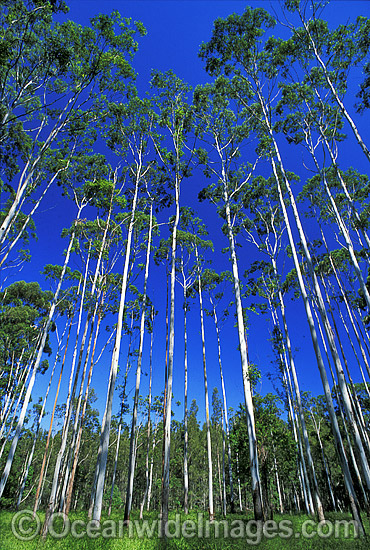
x=26, y=527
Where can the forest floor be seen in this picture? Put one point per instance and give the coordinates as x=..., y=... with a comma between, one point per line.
x=18, y=531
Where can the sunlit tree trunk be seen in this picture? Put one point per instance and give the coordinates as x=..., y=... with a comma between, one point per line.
x=225, y=412
x=149, y=423
x=131, y=466
x=81, y=420
x=37, y=362
x=186, y=433
x=41, y=478
x=115, y=357
x=37, y=431
x=333, y=90
x=256, y=484
x=326, y=468
x=206, y=396
x=334, y=422
x=69, y=402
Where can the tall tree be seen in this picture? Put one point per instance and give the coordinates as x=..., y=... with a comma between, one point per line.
x=174, y=117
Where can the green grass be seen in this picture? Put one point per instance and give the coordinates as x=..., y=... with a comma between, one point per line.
x=237, y=535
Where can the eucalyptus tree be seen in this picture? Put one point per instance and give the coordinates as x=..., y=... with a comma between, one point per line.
x=100, y=190
x=330, y=54
x=144, y=299
x=211, y=282
x=186, y=269
x=37, y=425
x=224, y=130
x=315, y=125
x=70, y=312
x=52, y=85
x=187, y=273
x=81, y=203
x=192, y=233
x=107, y=298
x=174, y=117
x=100, y=237
x=334, y=262
x=264, y=227
x=149, y=421
x=128, y=135
x=23, y=314
x=242, y=52
x=23, y=310
x=217, y=428
x=103, y=303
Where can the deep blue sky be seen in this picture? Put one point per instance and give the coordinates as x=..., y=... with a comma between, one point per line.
x=175, y=30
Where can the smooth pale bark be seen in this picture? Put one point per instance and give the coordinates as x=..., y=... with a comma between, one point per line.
x=131, y=466
x=253, y=455
x=95, y=479
x=341, y=225
x=345, y=190
x=177, y=138
x=37, y=362
x=30, y=456
x=238, y=480
x=165, y=376
x=301, y=462
x=39, y=486
x=26, y=222
x=186, y=432
x=72, y=446
x=206, y=396
x=333, y=419
x=354, y=350
x=326, y=468
x=344, y=422
x=68, y=484
x=151, y=469
x=128, y=366
x=27, y=373
x=304, y=477
x=83, y=412
x=224, y=502
x=22, y=384
x=353, y=394
x=225, y=411
x=73, y=378
x=115, y=357
x=149, y=423
x=171, y=345
x=310, y=462
x=278, y=485
x=28, y=173
x=334, y=92
x=348, y=309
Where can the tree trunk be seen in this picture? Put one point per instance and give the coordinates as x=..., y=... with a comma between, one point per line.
x=131, y=467
x=225, y=412
x=114, y=365
x=36, y=364
x=208, y=425
x=149, y=419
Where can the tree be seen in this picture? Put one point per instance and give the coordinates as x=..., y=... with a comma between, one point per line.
x=226, y=132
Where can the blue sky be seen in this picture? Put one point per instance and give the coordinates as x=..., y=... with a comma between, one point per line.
x=175, y=30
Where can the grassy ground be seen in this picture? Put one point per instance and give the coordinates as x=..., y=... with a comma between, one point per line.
x=288, y=533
